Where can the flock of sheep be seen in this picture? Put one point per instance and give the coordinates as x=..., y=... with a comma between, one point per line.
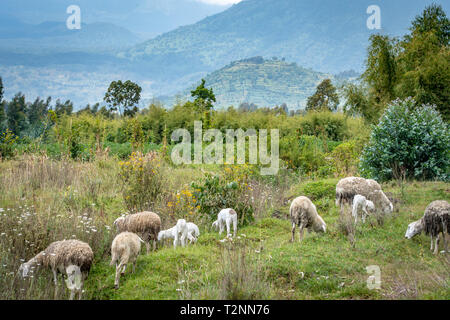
x=73, y=258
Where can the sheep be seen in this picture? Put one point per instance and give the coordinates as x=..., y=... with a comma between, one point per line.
x=193, y=232
x=146, y=224
x=304, y=214
x=347, y=188
x=179, y=232
x=72, y=258
x=435, y=220
x=124, y=250
x=360, y=203
x=225, y=217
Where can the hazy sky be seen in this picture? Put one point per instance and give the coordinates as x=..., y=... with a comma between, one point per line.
x=220, y=2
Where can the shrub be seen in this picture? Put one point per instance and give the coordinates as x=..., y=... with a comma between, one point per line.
x=411, y=142
x=7, y=142
x=344, y=159
x=230, y=190
x=142, y=181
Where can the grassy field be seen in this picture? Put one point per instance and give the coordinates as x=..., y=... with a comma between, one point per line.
x=44, y=200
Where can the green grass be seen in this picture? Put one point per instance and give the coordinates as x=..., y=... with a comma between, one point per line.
x=323, y=266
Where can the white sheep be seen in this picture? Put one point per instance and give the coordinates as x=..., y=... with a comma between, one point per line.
x=179, y=232
x=348, y=188
x=224, y=218
x=125, y=249
x=435, y=220
x=146, y=224
x=72, y=258
x=193, y=232
x=360, y=203
x=304, y=214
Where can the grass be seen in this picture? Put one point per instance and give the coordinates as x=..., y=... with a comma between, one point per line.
x=262, y=264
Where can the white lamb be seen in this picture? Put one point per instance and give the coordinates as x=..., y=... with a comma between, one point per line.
x=225, y=217
x=360, y=203
x=179, y=232
x=193, y=232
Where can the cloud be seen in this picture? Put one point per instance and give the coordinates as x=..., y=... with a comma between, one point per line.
x=220, y=2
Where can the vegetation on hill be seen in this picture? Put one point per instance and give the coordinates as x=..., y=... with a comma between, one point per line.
x=264, y=82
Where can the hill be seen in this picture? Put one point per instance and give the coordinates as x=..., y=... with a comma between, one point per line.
x=262, y=82
x=325, y=35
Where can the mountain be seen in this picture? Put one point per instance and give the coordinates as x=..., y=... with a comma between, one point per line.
x=148, y=18
x=52, y=36
x=325, y=35
x=264, y=82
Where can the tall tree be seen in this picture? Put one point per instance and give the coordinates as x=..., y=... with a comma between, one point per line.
x=16, y=114
x=63, y=108
x=203, y=102
x=37, y=113
x=433, y=19
x=123, y=96
x=325, y=97
x=2, y=108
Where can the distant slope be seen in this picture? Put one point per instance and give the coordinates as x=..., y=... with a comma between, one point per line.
x=262, y=82
x=52, y=36
x=325, y=35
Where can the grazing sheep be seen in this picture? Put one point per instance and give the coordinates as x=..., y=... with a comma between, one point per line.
x=360, y=203
x=72, y=258
x=146, y=224
x=193, y=232
x=347, y=188
x=435, y=220
x=179, y=232
x=304, y=214
x=225, y=217
x=124, y=250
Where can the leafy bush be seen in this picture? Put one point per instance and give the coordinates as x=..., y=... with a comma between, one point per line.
x=227, y=191
x=409, y=142
x=142, y=181
x=7, y=142
x=344, y=159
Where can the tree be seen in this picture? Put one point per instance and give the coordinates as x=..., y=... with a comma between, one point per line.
x=410, y=141
x=204, y=98
x=433, y=20
x=325, y=97
x=37, y=113
x=122, y=96
x=2, y=108
x=16, y=114
x=63, y=108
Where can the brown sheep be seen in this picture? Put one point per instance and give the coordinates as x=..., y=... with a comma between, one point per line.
x=146, y=224
x=304, y=214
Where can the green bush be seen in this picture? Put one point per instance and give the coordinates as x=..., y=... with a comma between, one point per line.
x=409, y=142
x=7, y=143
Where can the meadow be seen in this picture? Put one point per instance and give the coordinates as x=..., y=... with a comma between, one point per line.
x=44, y=200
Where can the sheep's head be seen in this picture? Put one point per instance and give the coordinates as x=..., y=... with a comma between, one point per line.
x=321, y=226
x=24, y=270
x=74, y=278
x=161, y=235
x=118, y=221
x=383, y=201
x=370, y=206
x=414, y=228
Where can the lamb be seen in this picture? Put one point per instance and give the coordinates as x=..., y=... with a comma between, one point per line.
x=304, y=214
x=177, y=232
x=125, y=249
x=146, y=224
x=72, y=258
x=347, y=188
x=360, y=203
x=193, y=232
x=435, y=220
x=225, y=217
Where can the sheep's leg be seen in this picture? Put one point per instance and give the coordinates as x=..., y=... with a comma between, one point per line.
x=445, y=240
x=154, y=243
x=175, y=241
x=436, y=245
x=228, y=226
x=431, y=248
x=235, y=226
x=116, y=282
x=147, y=245
x=293, y=232
x=220, y=227
x=72, y=294
x=301, y=227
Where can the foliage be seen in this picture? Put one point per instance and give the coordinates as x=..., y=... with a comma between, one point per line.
x=325, y=97
x=7, y=142
x=409, y=141
x=230, y=190
x=122, y=96
x=141, y=181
